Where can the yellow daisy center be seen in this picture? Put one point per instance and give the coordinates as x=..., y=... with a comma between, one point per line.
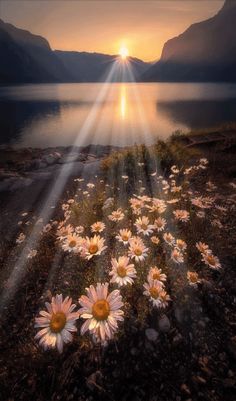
x=144, y=226
x=101, y=309
x=211, y=260
x=121, y=271
x=156, y=276
x=93, y=248
x=58, y=322
x=138, y=251
x=154, y=292
x=193, y=277
x=72, y=243
x=125, y=237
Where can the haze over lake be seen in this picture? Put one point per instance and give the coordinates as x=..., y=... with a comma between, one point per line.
x=46, y=115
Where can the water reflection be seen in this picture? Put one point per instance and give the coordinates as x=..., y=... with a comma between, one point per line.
x=52, y=115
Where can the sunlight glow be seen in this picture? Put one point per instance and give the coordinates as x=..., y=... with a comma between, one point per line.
x=123, y=52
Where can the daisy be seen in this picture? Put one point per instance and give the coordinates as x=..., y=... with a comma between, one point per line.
x=143, y=226
x=101, y=311
x=177, y=256
x=64, y=231
x=169, y=239
x=32, y=254
x=211, y=261
x=155, y=240
x=174, y=170
x=122, y=272
x=117, y=215
x=124, y=236
x=93, y=246
x=79, y=229
x=160, y=224
x=20, y=238
x=97, y=227
x=90, y=185
x=158, y=205
x=164, y=299
x=156, y=274
x=137, y=249
x=181, y=245
x=136, y=205
x=57, y=323
x=181, y=215
x=71, y=243
x=153, y=288
x=193, y=279
x=202, y=247
x=47, y=228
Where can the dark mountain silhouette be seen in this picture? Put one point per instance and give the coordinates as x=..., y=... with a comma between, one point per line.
x=28, y=58
x=206, y=51
x=93, y=67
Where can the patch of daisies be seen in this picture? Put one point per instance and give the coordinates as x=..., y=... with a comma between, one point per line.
x=141, y=228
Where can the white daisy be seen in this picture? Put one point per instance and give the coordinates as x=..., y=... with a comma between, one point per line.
x=93, y=246
x=97, y=227
x=56, y=323
x=101, y=311
x=124, y=236
x=143, y=226
x=137, y=249
x=122, y=272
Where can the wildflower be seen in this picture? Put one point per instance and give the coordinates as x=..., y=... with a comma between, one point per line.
x=177, y=256
x=193, y=279
x=181, y=245
x=71, y=243
x=182, y=215
x=24, y=214
x=143, y=226
x=160, y=223
x=90, y=185
x=64, y=231
x=124, y=236
x=116, y=215
x=122, y=272
x=57, y=323
x=176, y=189
x=47, y=228
x=70, y=201
x=101, y=311
x=153, y=289
x=201, y=214
x=171, y=201
x=20, y=238
x=108, y=203
x=156, y=274
x=169, y=239
x=79, y=229
x=211, y=261
x=93, y=246
x=137, y=249
x=164, y=298
x=158, y=205
x=97, y=227
x=155, y=240
x=32, y=253
x=136, y=205
x=174, y=169
x=202, y=247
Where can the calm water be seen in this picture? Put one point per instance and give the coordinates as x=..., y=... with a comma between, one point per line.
x=118, y=113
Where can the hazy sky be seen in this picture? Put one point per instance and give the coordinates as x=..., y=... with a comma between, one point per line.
x=143, y=26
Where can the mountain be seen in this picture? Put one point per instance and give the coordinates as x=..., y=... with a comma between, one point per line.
x=206, y=51
x=93, y=67
x=27, y=58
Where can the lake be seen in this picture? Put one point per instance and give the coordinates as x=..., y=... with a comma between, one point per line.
x=46, y=115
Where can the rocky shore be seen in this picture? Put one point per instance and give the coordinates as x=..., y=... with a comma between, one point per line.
x=20, y=168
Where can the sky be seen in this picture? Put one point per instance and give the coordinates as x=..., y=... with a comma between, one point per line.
x=142, y=26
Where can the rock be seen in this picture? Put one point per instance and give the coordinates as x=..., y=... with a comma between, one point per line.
x=21, y=183
x=151, y=334
x=49, y=159
x=69, y=158
x=164, y=324
x=179, y=315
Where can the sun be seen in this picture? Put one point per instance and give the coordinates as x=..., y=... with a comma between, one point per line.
x=123, y=52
